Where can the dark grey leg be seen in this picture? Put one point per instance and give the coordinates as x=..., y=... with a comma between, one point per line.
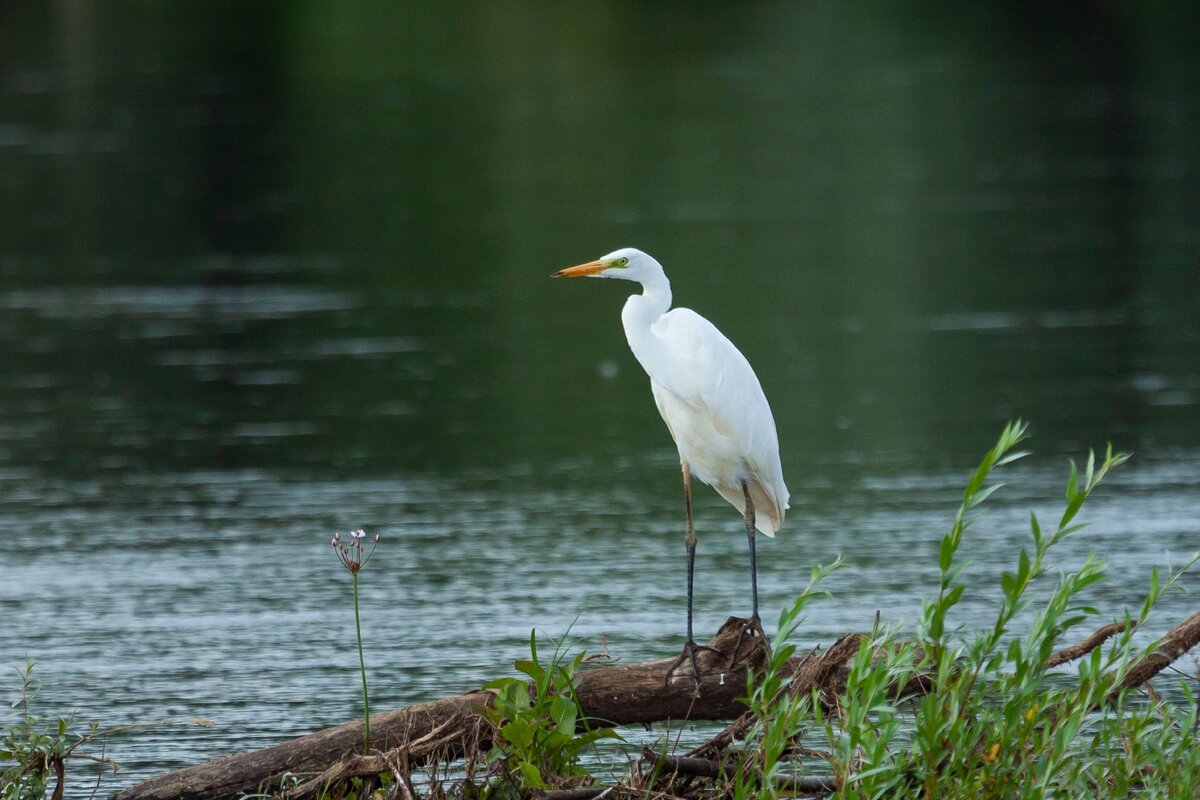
x=754, y=624
x=690, y=540
x=690, y=647
x=750, y=531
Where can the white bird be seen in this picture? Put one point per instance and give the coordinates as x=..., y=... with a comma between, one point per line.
x=713, y=405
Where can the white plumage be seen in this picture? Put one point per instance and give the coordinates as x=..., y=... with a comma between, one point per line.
x=718, y=415
x=711, y=401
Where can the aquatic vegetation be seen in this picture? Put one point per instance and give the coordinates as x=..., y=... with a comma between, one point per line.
x=353, y=555
x=540, y=731
x=951, y=714
x=33, y=751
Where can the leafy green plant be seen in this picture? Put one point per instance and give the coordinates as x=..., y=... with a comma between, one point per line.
x=979, y=726
x=33, y=753
x=780, y=716
x=540, y=735
x=992, y=718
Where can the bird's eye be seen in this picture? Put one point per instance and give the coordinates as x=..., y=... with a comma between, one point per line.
x=622, y=262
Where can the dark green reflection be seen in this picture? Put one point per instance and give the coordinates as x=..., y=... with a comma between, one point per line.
x=308, y=236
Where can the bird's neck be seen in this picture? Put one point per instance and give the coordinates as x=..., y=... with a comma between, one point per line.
x=641, y=311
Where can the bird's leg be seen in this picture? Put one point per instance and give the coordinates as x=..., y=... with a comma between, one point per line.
x=690, y=647
x=754, y=624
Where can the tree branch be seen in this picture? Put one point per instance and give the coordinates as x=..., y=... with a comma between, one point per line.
x=1179, y=640
x=1087, y=645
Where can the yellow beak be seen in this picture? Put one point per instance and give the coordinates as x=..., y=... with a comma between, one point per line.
x=583, y=270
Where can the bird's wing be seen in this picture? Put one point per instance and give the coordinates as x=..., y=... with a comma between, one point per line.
x=712, y=375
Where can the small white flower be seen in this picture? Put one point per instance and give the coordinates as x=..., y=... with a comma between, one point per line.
x=358, y=534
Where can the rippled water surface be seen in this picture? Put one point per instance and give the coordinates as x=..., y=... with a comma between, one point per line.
x=268, y=278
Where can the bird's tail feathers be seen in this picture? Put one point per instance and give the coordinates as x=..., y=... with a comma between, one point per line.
x=768, y=510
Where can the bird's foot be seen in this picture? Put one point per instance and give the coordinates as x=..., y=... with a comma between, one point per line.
x=690, y=648
x=754, y=628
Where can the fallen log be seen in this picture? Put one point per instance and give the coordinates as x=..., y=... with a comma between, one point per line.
x=615, y=695
x=258, y=770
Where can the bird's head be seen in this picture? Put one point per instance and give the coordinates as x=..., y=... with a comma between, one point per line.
x=628, y=264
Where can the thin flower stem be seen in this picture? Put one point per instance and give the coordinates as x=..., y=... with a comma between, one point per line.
x=362, y=669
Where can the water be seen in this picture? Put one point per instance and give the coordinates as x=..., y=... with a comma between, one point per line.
x=273, y=272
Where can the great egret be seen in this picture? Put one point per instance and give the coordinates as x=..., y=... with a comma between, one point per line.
x=713, y=405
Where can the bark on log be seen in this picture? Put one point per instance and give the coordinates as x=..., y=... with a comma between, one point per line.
x=1087, y=645
x=819, y=669
x=446, y=737
x=242, y=773
x=625, y=694
x=1179, y=640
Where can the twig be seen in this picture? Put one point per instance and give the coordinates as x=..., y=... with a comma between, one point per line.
x=581, y=793
x=792, y=784
x=356, y=766
x=403, y=784
x=1089, y=644
x=99, y=771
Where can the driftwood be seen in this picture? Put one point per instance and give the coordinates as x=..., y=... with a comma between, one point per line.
x=617, y=694
x=820, y=669
x=398, y=760
x=1179, y=640
x=243, y=773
